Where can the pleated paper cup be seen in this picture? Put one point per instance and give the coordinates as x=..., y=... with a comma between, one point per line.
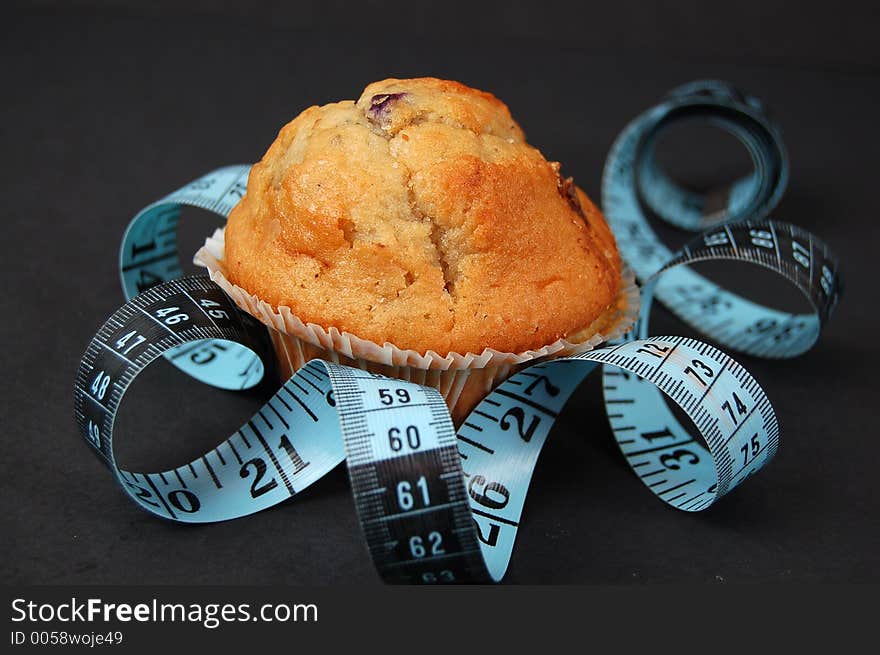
x=463, y=379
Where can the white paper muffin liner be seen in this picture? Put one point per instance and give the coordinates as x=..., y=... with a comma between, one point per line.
x=463, y=379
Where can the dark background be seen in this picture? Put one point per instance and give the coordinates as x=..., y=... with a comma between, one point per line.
x=107, y=106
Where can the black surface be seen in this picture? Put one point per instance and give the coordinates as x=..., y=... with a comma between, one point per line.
x=106, y=109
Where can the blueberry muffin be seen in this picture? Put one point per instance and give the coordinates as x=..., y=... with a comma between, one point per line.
x=420, y=216
x=419, y=219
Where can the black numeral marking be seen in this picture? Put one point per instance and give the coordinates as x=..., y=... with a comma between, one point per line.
x=184, y=500
x=259, y=466
x=740, y=408
x=752, y=448
x=399, y=395
x=675, y=459
x=518, y=414
x=410, y=437
x=699, y=367
x=552, y=389
x=655, y=349
x=493, y=495
x=296, y=460
x=492, y=539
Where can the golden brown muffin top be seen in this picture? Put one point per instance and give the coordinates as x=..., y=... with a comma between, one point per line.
x=420, y=216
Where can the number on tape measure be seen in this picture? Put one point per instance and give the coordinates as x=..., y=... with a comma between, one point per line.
x=440, y=506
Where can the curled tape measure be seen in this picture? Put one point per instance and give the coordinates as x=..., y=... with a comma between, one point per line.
x=436, y=506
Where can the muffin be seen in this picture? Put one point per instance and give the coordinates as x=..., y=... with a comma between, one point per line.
x=414, y=232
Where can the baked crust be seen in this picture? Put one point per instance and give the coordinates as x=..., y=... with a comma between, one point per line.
x=420, y=216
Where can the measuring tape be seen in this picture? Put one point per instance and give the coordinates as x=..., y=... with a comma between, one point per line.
x=436, y=505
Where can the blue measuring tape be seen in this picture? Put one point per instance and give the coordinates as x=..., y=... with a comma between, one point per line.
x=438, y=505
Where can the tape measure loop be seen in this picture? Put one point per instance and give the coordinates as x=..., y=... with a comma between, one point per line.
x=738, y=228
x=148, y=256
x=753, y=196
x=189, y=316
